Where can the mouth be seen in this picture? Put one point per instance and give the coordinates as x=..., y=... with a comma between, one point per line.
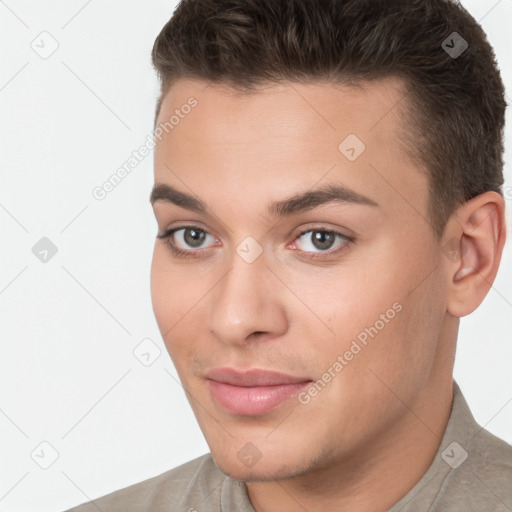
x=253, y=392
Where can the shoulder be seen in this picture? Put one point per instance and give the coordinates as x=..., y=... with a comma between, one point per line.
x=472, y=470
x=488, y=469
x=188, y=483
x=483, y=480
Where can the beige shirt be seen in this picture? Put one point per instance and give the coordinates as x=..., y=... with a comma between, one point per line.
x=472, y=472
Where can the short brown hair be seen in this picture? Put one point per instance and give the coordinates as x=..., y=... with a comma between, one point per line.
x=455, y=102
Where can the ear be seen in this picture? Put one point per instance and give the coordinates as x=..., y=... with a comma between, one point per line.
x=473, y=244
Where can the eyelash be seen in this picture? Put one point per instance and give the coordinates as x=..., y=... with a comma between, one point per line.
x=180, y=253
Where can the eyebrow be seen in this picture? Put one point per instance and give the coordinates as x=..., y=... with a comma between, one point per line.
x=297, y=203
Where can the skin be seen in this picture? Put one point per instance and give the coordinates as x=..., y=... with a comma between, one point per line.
x=371, y=433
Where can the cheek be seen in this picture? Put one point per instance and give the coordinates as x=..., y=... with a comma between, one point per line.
x=369, y=301
x=179, y=299
x=405, y=342
x=382, y=356
x=171, y=297
x=347, y=301
x=161, y=289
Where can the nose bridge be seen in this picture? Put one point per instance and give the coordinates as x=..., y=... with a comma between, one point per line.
x=246, y=300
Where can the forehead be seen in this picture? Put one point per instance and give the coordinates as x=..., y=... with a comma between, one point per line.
x=371, y=108
x=285, y=137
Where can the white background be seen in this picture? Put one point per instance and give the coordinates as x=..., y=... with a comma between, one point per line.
x=68, y=327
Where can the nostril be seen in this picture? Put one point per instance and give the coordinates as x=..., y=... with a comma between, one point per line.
x=257, y=334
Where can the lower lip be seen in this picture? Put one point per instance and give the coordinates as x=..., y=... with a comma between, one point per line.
x=252, y=401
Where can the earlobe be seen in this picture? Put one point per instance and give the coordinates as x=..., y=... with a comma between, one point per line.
x=477, y=230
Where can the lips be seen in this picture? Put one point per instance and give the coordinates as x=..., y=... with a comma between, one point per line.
x=253, y=392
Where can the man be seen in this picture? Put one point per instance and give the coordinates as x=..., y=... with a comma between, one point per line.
x=328, y=197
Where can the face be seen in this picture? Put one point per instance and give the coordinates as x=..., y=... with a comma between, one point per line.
x=294, y=321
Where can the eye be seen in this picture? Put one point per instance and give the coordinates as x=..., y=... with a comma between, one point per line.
x=182, y=239
x=190, y=237
x=188, y=241
x=322, y=241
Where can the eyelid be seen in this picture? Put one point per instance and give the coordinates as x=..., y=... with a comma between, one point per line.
x=185, y=225
x=316, y=227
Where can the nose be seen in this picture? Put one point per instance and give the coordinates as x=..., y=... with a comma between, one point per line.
x=247, y=304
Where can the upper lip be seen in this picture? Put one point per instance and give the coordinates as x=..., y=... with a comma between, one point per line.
x=252, y=377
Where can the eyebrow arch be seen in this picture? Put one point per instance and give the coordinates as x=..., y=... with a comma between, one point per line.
x=310, y=199
x=297, y=203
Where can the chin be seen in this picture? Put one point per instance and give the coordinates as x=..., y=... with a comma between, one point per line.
x=261, y=471
x=259, y=474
